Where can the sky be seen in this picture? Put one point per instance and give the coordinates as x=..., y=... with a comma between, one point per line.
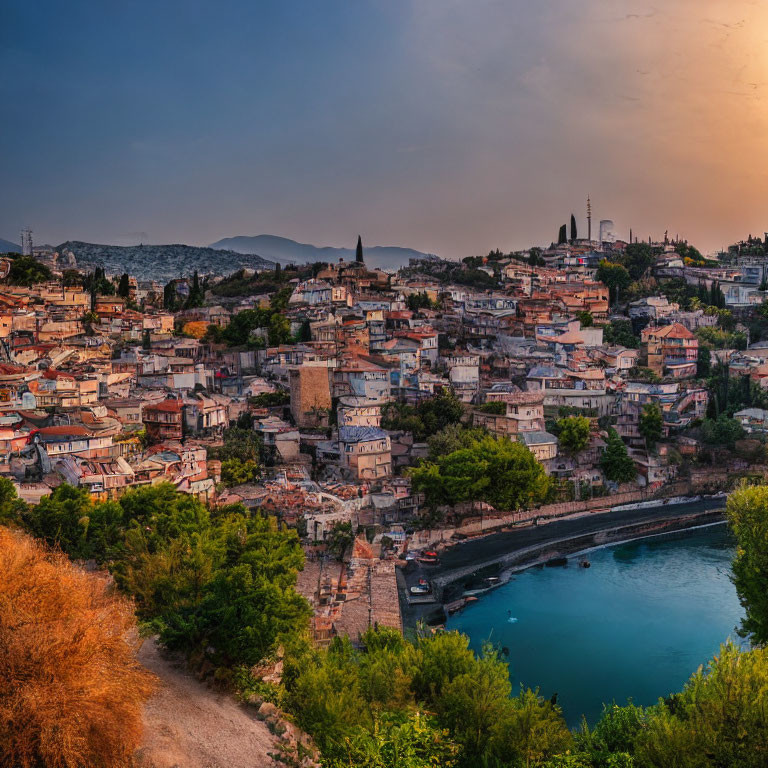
x=450, y=126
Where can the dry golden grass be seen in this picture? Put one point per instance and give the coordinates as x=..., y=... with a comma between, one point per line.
x=71, y=690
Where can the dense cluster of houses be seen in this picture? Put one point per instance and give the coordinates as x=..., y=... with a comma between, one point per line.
x=102, y=395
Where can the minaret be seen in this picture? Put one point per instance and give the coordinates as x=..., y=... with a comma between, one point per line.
x=589, y=219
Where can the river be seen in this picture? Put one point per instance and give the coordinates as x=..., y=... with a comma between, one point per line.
x=635, y=624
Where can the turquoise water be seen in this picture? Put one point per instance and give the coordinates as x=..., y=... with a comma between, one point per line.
x=634, y=625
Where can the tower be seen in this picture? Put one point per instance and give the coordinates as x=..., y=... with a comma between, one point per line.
x=26, y=241
x=589, y=219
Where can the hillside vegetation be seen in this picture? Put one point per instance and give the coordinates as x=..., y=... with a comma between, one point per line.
x=71, y=690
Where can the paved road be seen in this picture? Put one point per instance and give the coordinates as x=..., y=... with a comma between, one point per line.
x=473, y=554
x=488, y=547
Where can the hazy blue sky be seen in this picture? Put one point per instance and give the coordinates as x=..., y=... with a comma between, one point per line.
x=445, y=125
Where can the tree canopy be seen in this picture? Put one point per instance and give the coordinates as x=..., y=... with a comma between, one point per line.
x=615, y=276
x=747, y=510
x=573, y=433
x=651, y=424
x=27, y=270
x=615, y=461
x=425, y=419
x=503, y=473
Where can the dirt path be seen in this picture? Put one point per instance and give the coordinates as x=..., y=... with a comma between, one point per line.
x=186, y=725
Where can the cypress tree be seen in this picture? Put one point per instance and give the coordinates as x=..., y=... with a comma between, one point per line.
x=562, y=235
x=574, y=233
x=359, y=252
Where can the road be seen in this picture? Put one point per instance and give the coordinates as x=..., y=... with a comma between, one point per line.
x=460, y=560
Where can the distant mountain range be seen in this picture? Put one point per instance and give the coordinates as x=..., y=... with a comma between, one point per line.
x=289, y=251
x=6, y=246
x=160, y=262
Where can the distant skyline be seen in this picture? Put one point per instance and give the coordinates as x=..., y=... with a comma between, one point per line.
x=446, y=126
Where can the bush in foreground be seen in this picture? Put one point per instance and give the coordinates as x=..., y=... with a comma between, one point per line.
x=71, y=691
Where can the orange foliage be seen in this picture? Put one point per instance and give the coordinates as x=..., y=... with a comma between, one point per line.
x=71, y=690
x=195, y=328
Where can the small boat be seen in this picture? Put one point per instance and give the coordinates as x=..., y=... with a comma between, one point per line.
x=491, y=580
x=430, y=553
x=420, y=589
x=427, y=560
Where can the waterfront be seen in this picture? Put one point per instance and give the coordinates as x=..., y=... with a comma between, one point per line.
x=635, y=624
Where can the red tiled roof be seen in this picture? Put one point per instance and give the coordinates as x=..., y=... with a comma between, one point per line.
x=172, y=406
x=52, y=373
x=74, y=429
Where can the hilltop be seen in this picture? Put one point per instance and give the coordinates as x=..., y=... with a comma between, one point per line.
x=6, y=246
x=284, y=250
x=160, y=262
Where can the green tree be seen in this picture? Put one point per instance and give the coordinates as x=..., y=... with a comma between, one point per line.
x=619, y=332
x=238, y=472
x=238, y=443
x=305, y=332
x=359, y=250
x=68, y=518
x=27, y=270
x=530, y=731
x=12, y=508
x=473, y=703
x=279, y=301
x=71, y=278
x=703, y=363
x=615, y=461
x=453, y=438
x=614, y=276
x=585, y=318
x=722, y=431
x=279, y=330
x=339, y=538
x=573, y=433
x=439, y=411
x=398, y=740
x=562, y=235
x=196, y=296
x=495, y=470
x=747, y=510
x=417, y=301
x=637, y=258
x=124, y=287
x=718, y=719
x=493, y=406
x=651, y=424
x=574, y=231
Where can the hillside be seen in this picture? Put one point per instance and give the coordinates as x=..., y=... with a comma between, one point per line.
x=160, y=262
x=186, y=724
x=6, y=246
x=286, y=251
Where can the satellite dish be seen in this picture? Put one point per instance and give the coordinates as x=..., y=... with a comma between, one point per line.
x=5, y=268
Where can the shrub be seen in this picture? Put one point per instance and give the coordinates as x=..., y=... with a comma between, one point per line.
x=71, y=691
